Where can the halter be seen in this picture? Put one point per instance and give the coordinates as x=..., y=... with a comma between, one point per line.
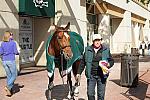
x=62, y=53
x=62, y=47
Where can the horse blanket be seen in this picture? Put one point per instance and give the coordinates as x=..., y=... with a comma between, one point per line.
x=77, y=47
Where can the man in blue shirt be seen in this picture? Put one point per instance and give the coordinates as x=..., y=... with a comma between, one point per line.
x=8, y=50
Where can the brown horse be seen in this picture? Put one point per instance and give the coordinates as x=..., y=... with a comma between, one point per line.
x=59, y=51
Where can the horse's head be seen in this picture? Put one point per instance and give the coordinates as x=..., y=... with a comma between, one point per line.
x=63, y=41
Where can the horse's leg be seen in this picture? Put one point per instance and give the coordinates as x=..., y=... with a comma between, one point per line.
x=77, y=79
x=50, y=86
x=71, y=93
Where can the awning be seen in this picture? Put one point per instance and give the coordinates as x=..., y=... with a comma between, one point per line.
x=137, y=18
x=43, y=8
x=109, y=9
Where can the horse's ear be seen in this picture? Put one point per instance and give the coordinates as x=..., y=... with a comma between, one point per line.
x=68, y=26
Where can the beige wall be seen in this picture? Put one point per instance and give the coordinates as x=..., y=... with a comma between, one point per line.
x=40, y=36
x=72, y=11
x=122, y=39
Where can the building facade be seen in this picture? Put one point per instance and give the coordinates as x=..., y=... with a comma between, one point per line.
x=122, y=23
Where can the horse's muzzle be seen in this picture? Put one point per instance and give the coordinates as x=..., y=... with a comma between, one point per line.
x=68, y=55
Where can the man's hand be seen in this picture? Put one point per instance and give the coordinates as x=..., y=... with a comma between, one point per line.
x=104, y=65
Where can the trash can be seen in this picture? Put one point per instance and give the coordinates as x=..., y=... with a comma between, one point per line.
x=129, y=70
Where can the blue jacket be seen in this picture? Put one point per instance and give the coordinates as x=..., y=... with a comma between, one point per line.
x=8, y=50
x=88, y=57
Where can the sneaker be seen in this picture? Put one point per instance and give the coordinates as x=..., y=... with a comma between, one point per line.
x=8, y=91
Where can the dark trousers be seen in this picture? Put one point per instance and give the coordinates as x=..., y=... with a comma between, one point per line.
x=143, y=52
x=91, y=83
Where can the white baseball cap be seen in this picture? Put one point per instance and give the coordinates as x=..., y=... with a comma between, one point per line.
x=96, y=36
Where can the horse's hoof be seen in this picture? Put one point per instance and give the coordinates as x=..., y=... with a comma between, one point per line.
x=75, y=95
x=69, y=96
x=76, y=91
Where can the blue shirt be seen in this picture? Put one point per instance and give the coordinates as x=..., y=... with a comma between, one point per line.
x=8, y=50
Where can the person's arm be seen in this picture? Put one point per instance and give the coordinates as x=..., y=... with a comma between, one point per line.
x=110, y=60
x=18, y=47
x=80, y=68
x=81, y=65
x=1, y=50
x=15, y=49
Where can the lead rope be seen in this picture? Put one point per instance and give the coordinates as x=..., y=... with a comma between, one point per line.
x=61, y=64
x=61, y=60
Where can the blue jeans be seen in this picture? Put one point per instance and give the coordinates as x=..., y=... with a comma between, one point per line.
x=11, y=72
x=91, y=83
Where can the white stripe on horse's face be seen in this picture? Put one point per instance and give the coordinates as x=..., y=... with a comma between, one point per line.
x=65, y=33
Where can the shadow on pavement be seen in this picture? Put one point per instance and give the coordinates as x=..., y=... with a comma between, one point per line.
x=16, y=88
x=148, y=97
x=136, y=92
x=30, y=70
x=117, y=81
x=59, y=92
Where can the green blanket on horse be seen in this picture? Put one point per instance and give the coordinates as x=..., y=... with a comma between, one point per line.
x=77, y=47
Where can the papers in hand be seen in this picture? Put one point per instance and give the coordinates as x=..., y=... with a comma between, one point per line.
x=104, y=66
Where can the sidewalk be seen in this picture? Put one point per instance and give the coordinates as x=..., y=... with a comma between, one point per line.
x=32, y=85
x=116, y=92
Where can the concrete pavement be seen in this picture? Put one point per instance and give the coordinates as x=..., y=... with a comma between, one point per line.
x=32, y=85
x=116, y=92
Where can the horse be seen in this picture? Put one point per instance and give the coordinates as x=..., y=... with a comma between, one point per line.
x=64, y=50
